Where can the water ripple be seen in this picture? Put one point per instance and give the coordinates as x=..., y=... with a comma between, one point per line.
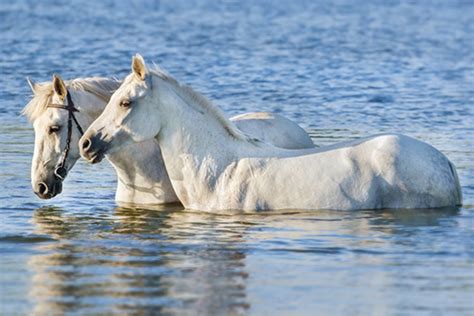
x=342, y=70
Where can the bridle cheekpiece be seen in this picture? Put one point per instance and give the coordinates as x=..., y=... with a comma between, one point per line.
x=60, y=170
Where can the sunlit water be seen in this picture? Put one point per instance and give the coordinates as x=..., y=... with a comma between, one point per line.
x=340, y=70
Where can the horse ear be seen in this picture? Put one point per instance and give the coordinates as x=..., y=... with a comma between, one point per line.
x=32, y=85
x=139, y=67
x=59, y=87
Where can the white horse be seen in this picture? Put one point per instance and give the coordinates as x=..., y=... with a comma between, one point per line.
x=213, y=166
x=142, y=178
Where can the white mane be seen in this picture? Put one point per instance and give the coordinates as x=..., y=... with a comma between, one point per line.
x=100, y=87
x=193, y=97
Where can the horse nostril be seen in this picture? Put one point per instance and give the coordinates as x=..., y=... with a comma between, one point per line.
x=86, y=144
x=60, y=173
x=42, y=188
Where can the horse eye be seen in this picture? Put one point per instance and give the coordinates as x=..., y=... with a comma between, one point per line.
x=125, y=103
x=54, y=129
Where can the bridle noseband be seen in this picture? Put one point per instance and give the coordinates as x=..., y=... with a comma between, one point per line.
x=60, y=170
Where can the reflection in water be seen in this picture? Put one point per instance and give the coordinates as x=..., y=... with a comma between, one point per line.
x=382, y=258
x=140, y=261
x=170, y=260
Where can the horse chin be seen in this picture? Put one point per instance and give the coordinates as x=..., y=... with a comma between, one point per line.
x=97, y=157
x=57, y=188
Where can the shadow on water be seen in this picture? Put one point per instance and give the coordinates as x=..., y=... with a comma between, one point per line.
x=405, y=218
x=170, y=260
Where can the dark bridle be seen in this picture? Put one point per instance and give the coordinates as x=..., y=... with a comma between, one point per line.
x=60, y=171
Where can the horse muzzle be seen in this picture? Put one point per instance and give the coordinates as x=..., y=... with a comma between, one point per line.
x=93, y=148
x=48, y=189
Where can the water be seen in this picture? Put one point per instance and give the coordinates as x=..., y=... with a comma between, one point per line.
x=341, y=70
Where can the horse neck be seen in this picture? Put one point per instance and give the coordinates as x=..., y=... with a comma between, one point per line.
x=139, y=180
x=89, y=106
x=193, y=129
x=142, y=177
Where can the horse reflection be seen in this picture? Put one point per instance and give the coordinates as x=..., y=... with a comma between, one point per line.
x=138, y=261
x=168, y=260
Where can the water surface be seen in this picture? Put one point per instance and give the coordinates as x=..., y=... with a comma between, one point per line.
x=341, y=70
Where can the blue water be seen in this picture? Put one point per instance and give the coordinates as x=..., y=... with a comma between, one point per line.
x=342, y=69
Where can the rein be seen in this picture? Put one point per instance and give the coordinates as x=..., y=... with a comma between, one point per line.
x=60, y=170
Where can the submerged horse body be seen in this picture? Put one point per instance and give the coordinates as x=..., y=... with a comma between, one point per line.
x=142, y=178
x=213, y=166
